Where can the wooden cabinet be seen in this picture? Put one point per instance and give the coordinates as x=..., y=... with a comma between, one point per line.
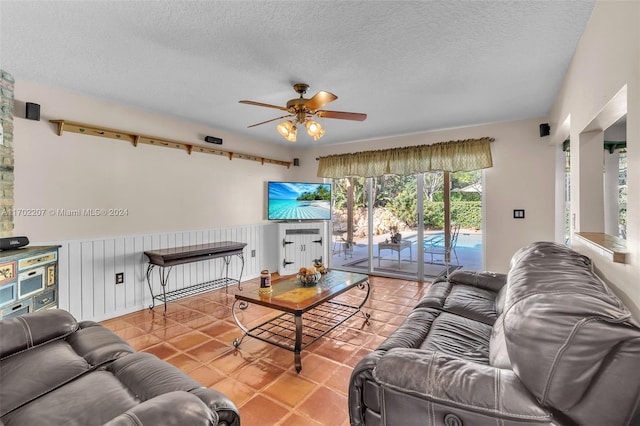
x=301, y=244
x=28, y=280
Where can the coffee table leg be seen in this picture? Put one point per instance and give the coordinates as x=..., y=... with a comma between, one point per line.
x=242, y=305
x=298, y=343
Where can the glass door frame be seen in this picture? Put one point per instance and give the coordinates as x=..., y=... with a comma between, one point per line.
x=420, y=231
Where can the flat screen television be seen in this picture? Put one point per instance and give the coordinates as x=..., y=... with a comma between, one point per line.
x=297, y=201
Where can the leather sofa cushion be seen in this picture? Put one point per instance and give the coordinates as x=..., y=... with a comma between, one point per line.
x=422, y=386
x=560, y=349
x=24, y=332
x=460, y=337
x=48, y=366
x=36, y=372
x=433, y=329
x=148, y=376
x=473, y=303
x=486, y=280
x=413, y=330
x=468, y=294
x=92, y=399
x=101, y=395
x=97, y=344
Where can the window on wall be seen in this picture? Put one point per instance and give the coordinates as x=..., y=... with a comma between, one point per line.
x=622, y=194
x=615, y=179
x=567, y=192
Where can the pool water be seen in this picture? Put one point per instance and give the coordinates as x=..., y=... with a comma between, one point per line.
x=473, y=241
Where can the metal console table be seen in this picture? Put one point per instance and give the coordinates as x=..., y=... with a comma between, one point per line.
x=166, y=259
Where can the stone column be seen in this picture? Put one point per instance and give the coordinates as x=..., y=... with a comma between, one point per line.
x=6, y=154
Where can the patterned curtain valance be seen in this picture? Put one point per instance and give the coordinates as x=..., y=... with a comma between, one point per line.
x=452, y=156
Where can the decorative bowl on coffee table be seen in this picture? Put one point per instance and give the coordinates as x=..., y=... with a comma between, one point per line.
x=309, y=279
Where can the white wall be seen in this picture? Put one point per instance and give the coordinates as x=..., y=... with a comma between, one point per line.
x=607, y=59
x=522, y=177
x=161, y=189
x=170, y=198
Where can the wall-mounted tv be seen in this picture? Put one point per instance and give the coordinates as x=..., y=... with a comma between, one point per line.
x=298, y=201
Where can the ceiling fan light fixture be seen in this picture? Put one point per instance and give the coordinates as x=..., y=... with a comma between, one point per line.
x=301, y=111
x=319, y=135
x=285, y=128
x=313, y=128
x=291, y=137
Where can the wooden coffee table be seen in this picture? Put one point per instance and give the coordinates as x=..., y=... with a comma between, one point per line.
x=289, y=330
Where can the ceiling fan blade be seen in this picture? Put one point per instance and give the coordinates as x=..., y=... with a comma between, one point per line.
x=356, y=116
x=319, y=100
x=263, y=105
x=268, y=121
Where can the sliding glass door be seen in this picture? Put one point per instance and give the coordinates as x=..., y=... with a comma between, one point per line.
x=417, y=227
x=394, y=225
x=350, y=223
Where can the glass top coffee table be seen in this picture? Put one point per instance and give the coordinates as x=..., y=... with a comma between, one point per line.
x=289, y=330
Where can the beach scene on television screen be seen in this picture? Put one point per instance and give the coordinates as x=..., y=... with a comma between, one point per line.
x=299, y=201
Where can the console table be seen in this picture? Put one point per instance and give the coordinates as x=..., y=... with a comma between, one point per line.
x=166, y=259
x=398, y=247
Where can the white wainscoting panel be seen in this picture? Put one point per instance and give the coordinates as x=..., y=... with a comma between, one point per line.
x=87, y=268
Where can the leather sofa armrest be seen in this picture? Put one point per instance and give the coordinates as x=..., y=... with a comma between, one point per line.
x=26, y=331
x=226, y=410
x=492, y=281
x=454, y=382
x=149, y=377
x=170, y=409
x=97, y=344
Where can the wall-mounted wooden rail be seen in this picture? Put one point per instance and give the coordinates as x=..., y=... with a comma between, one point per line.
x=135, y=139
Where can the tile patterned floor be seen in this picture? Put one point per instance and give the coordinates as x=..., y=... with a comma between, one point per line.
x=197, y=336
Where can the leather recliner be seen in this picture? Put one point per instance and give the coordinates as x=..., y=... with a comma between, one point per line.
x=546, y=344
x=56, y=371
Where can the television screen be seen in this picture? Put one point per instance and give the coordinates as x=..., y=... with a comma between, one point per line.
x=299, y=201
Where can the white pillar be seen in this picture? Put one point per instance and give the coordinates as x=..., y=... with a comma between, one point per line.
x=591, y=186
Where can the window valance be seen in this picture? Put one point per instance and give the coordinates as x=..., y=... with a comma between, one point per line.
x=451, y=156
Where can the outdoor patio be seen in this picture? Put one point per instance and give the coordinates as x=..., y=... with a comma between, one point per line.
x=389, y=262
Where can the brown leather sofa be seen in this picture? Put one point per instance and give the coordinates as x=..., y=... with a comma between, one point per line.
x=56, y=371
x=546, y=344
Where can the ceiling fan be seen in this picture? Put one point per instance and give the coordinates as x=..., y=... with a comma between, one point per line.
x=302, y=111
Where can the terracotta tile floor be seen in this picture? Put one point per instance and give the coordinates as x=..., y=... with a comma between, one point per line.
x=197, y=336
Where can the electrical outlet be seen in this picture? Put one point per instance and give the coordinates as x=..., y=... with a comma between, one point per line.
x=253, y=253
x=119, y=278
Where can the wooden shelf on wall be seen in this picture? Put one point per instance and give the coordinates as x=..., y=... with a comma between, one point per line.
x=135, y=139
x=613, y=248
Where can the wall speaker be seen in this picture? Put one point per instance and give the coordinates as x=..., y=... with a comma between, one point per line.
x=545, y=129
x=296, y=161
x=213, y=139
x=33, y=111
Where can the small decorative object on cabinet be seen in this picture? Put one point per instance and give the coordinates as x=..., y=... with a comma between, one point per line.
x=28, y=280
x=301, y=244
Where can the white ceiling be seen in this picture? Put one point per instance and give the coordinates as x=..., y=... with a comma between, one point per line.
x=412, y=66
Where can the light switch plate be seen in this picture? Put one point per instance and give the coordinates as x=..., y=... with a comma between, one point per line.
x=518, y=213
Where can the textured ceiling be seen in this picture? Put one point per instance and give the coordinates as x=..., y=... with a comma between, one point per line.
x=412, y=66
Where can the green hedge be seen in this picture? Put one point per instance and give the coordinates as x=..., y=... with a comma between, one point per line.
x=467, y=214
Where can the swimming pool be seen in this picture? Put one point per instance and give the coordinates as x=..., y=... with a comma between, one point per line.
x=472, y=241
